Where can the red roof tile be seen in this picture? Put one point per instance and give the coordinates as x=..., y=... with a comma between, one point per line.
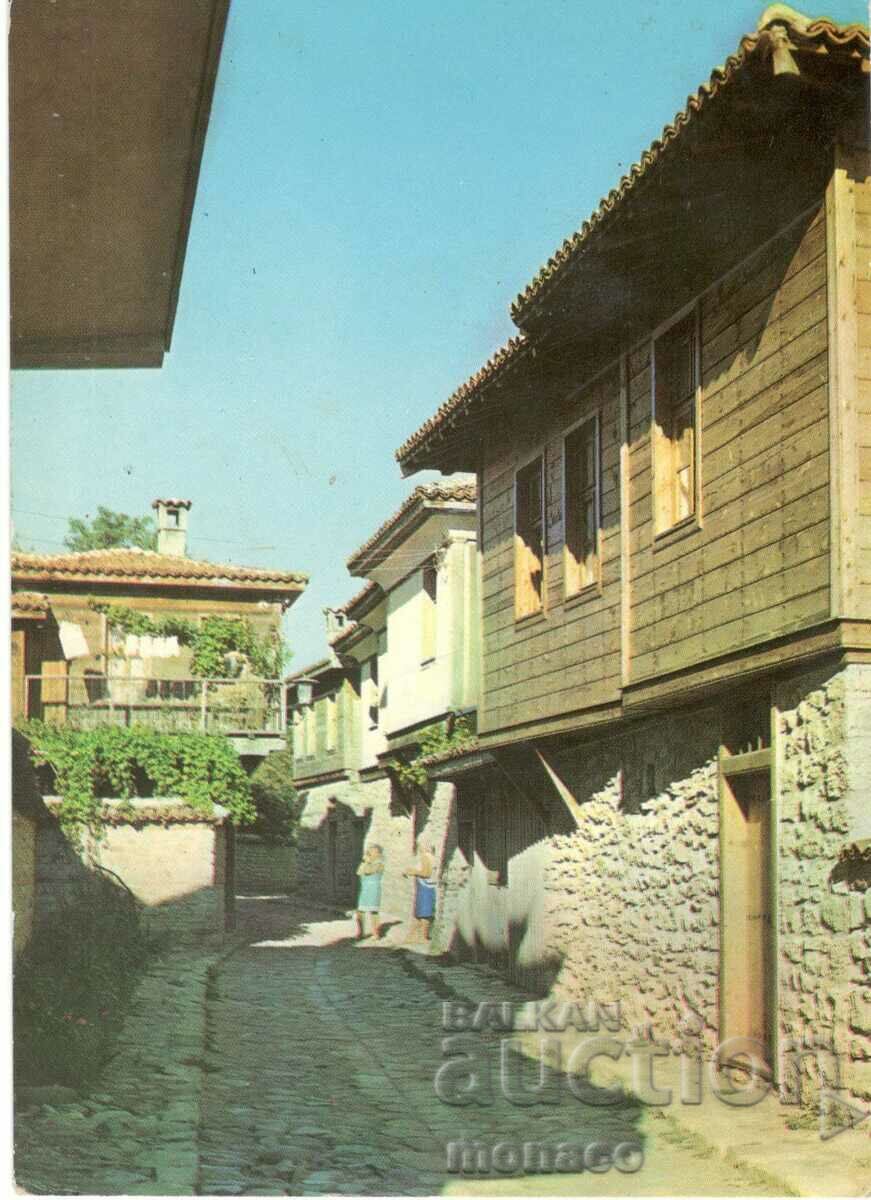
x=508, y=355
x=29, y=604
x=803, y=31
x=127, y=565
x=427, y=495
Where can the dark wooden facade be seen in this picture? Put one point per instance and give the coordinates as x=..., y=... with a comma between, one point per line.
x=769, y=560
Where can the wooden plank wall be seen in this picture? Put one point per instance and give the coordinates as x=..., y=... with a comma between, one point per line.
x=863, y=309
x=569, y=655
x=757, y=566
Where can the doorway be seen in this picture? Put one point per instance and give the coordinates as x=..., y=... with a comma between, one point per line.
x=746, y=910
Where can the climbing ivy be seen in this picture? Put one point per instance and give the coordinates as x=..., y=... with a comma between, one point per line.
x=434, y=739
x=212, y=641
x=198, y=769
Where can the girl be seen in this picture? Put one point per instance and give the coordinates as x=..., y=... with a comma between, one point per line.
x=425, y=881
x=371, y=871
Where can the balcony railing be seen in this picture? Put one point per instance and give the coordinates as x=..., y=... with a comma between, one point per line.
x=230, y=706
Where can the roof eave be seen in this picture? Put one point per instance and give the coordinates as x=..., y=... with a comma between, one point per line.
x=361, y=564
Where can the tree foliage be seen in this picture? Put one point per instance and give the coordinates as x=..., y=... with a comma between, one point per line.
x=199, y=769
x=454, y=733
x=275, y=798
x=109, y=529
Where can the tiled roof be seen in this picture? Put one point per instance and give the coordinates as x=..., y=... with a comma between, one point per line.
x=129, y=565
x=822, y=34
x=462, y=750
x=365, y=593
x=172, y=503
x=513, y=350
x=353, y=609
x=29, y=604
x=424, y=496
x=323, y=664
x=151, y=812
x=779, y=24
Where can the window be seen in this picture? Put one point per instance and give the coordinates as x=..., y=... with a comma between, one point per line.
x=429, y=581
x=583, y=504
x=172, y=518
x=374, y=703
x=529, y=538
x=676, y=383
x=309, y=732
x=332, y=724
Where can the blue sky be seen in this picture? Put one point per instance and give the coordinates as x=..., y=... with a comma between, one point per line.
x=380, y=179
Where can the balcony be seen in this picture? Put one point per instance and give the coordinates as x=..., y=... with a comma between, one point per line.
x=238, y=708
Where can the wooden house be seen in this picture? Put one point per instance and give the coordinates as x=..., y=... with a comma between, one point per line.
x=674, y=480
x=403, y=660
x=70, y=664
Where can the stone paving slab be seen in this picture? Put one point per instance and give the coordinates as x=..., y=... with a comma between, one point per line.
x=763, y=1139
x=303, y=1063
x=321, y=1061
x=136, y=1133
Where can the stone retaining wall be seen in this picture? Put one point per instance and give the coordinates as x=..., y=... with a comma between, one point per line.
x=263, y=868
x=25, y=832
x=824, y=900
x=177, y=870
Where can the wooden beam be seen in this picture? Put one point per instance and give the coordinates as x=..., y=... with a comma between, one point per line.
x=561, y=789
x=744, y=764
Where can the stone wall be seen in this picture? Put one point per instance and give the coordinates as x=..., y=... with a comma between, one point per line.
x=176, y=870
x=824, y=897
x=363, y=813
x=25, y=831
x=332, y=828
x=622, y=906
x=263, y=868
x=632, y=904
x=627, y=904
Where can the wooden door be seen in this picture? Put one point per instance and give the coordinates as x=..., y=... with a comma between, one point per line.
x=16, y=675
x=746, y=916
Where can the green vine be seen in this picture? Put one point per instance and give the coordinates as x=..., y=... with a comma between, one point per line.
x=434, y=739
x=212, y=641
x=199, y=769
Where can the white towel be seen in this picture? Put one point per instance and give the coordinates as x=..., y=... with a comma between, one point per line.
x=72, y=640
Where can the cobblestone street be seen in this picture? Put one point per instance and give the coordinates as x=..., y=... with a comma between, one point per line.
x=312, y=1071
x=320, y=1078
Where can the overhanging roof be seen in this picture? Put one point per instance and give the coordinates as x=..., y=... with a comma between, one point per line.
x=441, y=496
x=130, y=566
x=748, y=152
x=109, y=105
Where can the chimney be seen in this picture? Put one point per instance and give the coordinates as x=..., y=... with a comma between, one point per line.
x=172, y=526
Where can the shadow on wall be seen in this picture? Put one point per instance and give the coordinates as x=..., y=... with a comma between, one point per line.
x=329, y=849
x=502, y=925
